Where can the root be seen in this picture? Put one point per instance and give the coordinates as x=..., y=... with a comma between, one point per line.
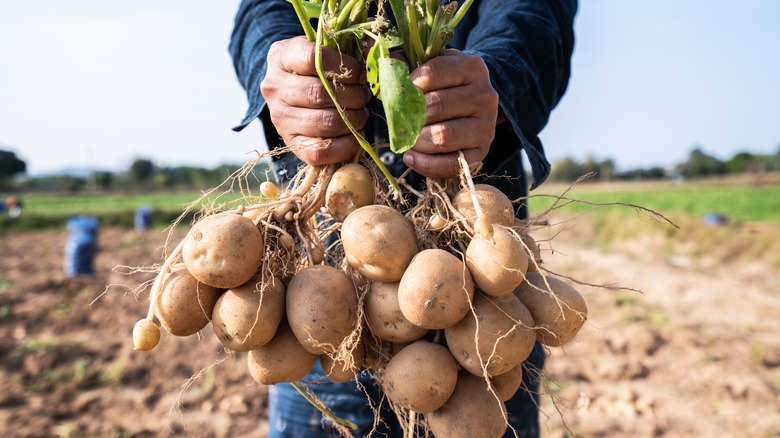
x=342, y=426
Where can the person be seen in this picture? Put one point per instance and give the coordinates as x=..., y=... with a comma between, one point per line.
x=489, y=96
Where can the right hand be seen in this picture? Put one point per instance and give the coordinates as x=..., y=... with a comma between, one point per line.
x=301, y=110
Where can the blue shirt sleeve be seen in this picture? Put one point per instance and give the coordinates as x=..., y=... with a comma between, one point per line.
x=527, y=46
x=258, y=24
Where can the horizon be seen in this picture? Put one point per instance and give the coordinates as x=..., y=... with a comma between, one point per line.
x=649, y=84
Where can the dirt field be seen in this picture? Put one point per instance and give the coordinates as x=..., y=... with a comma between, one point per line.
x=697, y=354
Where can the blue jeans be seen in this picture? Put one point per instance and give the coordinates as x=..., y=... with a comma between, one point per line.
x=291, y=416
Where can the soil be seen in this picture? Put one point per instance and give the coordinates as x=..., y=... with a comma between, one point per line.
x=696, y=354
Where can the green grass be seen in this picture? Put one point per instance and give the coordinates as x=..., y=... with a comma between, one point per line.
x=112, y=209
x=738, y=203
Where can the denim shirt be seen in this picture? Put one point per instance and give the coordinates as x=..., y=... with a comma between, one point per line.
x=526, y=45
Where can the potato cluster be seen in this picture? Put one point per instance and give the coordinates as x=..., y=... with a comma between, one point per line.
x=441, y=303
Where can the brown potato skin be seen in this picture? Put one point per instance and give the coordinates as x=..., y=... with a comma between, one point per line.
x=384, y=316
x=223, y=250
x=185, y=304
x=471, y=411
x=350, y=188
x=379, y=242
x=498, y=265
x=246, y=317
x=554, y=328
x=338, y=371
x=321, y=308
x=283, y=359
x=436, y=290
x=495, y=205
x=504, y=342
x=421, y=376
x=507, y=384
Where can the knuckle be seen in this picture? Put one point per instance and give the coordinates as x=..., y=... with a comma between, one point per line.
x=441, y=135
x=434, y=103
x=330, y=123
x=315, y=95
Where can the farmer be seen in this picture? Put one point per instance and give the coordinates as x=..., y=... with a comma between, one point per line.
x=489, y=97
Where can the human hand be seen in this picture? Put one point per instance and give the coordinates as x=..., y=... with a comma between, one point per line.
x=462, y=109
x=301, y=110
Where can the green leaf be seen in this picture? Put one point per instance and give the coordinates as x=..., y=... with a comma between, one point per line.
x=372, y=69
x=404, y=104
x=380, y=49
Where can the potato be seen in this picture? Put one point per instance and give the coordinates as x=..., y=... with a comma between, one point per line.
x=384, y=316
x=379, y=242
x=559, y=315
x=185, y=304
x=350, y=188
x=146, y=335
x=339, y=371
x=494, y=203
x=283, y=359
x=530, y=245
x=436, y=290
x=498, y=265
x=223, y=250
x=507, y=384
x=421, y=376
x=321, y=308
x=471, y=411
x=246, y=317
x=506, y=335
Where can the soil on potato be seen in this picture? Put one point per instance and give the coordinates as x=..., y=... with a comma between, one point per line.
x=698, y=354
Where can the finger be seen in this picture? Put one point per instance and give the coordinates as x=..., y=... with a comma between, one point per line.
x=326, y=123
x=439, y=165
x=308, y=92
x=458, y=102
x=452, y=135
x=298, y=55
x=317, y=151
x=451, y=70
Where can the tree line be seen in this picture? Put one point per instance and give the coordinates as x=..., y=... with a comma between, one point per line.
x=141, y=174
x=144, y=174
x=699, y=164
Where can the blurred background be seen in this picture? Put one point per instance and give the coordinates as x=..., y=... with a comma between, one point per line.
x=115, y=115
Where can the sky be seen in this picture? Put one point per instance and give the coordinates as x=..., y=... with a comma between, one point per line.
x=96, y=84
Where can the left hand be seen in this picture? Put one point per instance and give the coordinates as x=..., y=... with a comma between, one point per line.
x=462, y=109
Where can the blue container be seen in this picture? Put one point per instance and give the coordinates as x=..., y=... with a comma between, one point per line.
x=81, y=247
x=143, y=218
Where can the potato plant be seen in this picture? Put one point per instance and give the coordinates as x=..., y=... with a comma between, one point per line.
x=436, y=292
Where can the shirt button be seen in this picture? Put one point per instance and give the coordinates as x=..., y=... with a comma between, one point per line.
x=387, y=158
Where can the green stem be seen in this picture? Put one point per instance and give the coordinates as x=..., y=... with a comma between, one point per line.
x=414, y=36
x=344, y=14
x=326, y=83
x=325, y=411
x=403, y=25
x=461, y=13
x=303, y=18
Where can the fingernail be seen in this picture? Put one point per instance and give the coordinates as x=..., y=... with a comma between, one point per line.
x=409, y=160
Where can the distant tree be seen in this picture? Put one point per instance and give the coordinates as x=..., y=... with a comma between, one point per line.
x=700, y=164
x=739, y=162
x=142, y=170
x=10, y=165
x=104, y=180
x=566, y=170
